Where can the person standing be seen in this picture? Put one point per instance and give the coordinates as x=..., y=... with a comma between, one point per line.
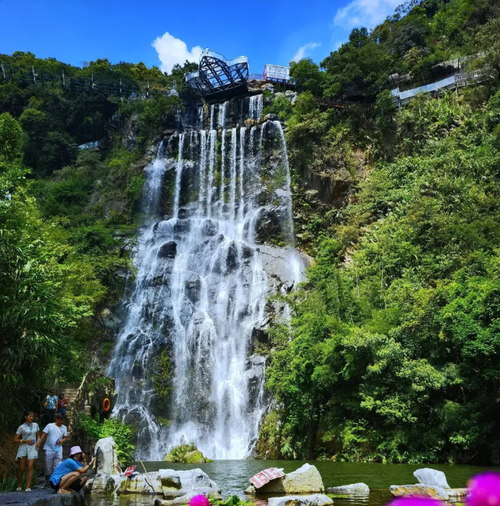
x=68, y=475
x=53, y=436
x=27, y=435
x=62, y=404
x=50, y=405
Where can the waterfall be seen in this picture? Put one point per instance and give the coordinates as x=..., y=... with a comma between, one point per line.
x=221, y=120
x=183, y=361
x=256, y=106
x=212, y=114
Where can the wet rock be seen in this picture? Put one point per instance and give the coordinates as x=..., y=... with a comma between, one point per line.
x=192, y=285
x=301, y=500
x=353, y=489
x=193, y=479
x=184, y=499
x=305, y=480
x=107, y=459
x=285, y=268
x=140, y=484
x=255, y=373
x=271, y=117
x=232, y=258
x=42, y=497
x=177, y=487
x=110, y=320
x=181, y=228
x=247, y=252
x=168, y=250
x=103, y=484
x=457, y=494
x=195, y=457
x=250, y=491
x=184, y=213
x=431, y=477
x=419, y=490
x=199, y=317
x=259, y=334
x=169, y=479
x=209, y=228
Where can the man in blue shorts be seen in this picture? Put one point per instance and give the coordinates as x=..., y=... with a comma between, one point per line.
x=67, y=477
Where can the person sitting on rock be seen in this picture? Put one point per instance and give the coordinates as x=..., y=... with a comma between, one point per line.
x=67, y=477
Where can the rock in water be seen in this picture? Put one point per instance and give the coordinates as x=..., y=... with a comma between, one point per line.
x=103, y=484
x=168, y=250
x=301, y=500
x=419, y=490
x=305, y=480
x=195, y=457
x=107, y=459
x=431, y=477
x=354, y=489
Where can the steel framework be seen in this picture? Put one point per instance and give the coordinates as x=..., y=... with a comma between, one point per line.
x=217, y=74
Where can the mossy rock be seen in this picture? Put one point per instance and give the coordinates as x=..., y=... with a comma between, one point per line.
x=195, y=457
x=186, y=454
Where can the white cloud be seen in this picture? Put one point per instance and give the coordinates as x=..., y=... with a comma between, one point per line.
x=367, y=13
x=171, y=51
x=301, y=52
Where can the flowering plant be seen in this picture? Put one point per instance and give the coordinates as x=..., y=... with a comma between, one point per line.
x=484, y=490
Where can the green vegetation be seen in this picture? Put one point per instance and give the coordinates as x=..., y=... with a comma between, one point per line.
x=232, y=500
x=68, y=216
x=392, y=353
x=186, y=454
x=111, y=427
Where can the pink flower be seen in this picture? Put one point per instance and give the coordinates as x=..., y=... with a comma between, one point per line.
x=415, y=501
x=199, y=500
x=484, y=490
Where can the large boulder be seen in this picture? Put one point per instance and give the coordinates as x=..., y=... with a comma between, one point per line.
x=103, y=484
x=431, y=477
x=419, y=490
x=300, y=500
x=107, y=458
x=140, y=484
x=305, y=480
x=194, y=480
x=178, y=486
x=354, y=489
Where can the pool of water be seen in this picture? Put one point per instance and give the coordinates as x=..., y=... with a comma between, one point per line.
x=232, y=477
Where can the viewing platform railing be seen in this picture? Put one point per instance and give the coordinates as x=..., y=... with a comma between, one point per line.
x=454, y=82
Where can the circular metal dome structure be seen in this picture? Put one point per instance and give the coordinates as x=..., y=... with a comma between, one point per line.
x=217, y=74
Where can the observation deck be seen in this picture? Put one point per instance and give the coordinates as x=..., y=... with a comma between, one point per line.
x=217, y=74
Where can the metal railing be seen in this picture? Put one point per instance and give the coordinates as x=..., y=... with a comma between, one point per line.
x=454, y=82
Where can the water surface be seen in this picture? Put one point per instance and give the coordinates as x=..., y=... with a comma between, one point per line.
x=232, y=476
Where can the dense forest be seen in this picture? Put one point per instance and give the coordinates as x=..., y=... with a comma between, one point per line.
x=396, y=329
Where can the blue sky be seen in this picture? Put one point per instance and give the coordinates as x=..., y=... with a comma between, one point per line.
x=165, y=32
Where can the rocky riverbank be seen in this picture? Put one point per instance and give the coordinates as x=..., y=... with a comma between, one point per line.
x=42, y=497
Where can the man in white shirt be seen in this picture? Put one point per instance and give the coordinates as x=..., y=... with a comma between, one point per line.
x=53, y=436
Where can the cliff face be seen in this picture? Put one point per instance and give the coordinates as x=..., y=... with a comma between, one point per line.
x=216, y=240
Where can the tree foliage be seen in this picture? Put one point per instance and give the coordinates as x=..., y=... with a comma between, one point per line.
x=392, y=352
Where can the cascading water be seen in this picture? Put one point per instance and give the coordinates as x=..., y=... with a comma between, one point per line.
x=183, y=362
